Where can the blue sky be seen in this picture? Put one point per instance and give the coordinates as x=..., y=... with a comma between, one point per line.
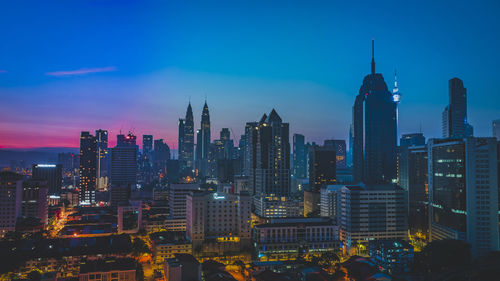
x=67, y=66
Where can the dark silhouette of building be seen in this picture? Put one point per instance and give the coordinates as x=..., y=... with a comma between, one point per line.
x=88, y=167
x=375, y=131
x=412, y=139
x=35, y=200
x=50, y=173
x=203, y=141
x=186, y=141
x=102, y=156
x=124, y=161
x=322, y=166
x=299, y=157
x=161, y=156
x=340, y=151
x=455, y=113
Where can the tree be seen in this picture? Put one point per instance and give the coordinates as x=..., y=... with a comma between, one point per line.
x=139, y=247
x=35, y=275
x=439, y=256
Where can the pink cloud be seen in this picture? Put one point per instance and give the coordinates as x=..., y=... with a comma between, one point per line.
x=81, y=71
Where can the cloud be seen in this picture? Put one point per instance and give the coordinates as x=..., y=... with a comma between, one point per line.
x=81, y=71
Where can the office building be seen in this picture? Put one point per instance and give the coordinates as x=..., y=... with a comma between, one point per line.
x=374, y=131
x=330, y=202
x=124, y=161
x=186, y=141
x=413, y=179
x=177, y=199
x=203, y=141
x=35, y=200
x=371, y=212
x=118, y=269
x=340, y=152
x=220, y=217
x=322, y=166
x=455, y=113
x=284, y=239
x=463, y=192
x=50, y=173
x=88, y=168
x=183, y=267
x=299, y=157
x=11, y=192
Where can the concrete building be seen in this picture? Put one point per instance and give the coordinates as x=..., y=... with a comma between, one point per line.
x=286, y=238
x=166, y=244
x=277, y=207
x=330, y=202
x=463, y=192
x=372, y=212
x=35, y=200
x=118, y=269
x=223, y=218
x=177, y=198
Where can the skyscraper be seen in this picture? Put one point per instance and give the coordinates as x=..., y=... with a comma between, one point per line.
x=161, y=156
x=124, y=161
x=203, y=141
x=463, y=192
x=102, y=158
x=147, y=146
x=299, y=157
x=322, y=166
x=496, y=129
x=88, y=167
x=455, y=113
x=186, y=141
x=375, y=131
x=250, y=150
x=11, y=188
x=50, y=173
x=272, y=172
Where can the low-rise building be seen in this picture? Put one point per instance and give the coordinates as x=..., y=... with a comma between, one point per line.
x=182, y=267
x=123, y=269
x=167, y=243
x=391, y=256
x=284, y=239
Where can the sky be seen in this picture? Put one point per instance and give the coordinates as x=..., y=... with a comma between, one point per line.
x=72, y=66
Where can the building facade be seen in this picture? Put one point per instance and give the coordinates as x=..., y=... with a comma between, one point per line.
x=88, y=168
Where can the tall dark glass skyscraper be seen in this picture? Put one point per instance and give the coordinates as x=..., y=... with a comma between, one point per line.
x=88, y=167
x=375, y=131
x=203, y=141
x=455, y=113
x=186, y=141
x=299, y=157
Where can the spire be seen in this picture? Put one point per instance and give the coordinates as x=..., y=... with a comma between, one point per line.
x=395, y=90
x=373, y=56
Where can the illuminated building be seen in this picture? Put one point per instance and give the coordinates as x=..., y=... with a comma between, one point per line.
x=166, y=244
x=218, y=221
x=50, y=173
x=284, y=239
x=455, y=113
x=186, y=141
x=203, y=141
x=371, y=212
x=119, y=269
x=392, y=256
x=146, y=159
x=35, y=200
x=88, y=168
x=124, y=161
x=299, y=157
x=277, y=207
x=102, y=159
x=463, y=192
x=374, y=131
x=11, y=188
x=340, y=152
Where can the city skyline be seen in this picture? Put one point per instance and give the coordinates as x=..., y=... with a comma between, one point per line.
x=143, y=83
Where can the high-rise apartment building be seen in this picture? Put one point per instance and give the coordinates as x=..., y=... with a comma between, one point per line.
x=455, y=113
x=102, y=159
x=88, y=168
x=374, y=131
x=52, y=174
x=35, y=200
x=299, y=157
x=11, y=192
x=177, y=198
x=463, y=192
